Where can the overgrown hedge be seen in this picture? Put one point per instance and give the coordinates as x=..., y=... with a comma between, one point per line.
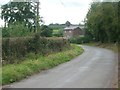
x=79, y=40
x=15, y=49
x=15, y=72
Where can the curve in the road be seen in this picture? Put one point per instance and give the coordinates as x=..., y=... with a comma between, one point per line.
x=95, y=68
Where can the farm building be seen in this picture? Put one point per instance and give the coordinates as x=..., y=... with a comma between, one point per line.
x=72, y=31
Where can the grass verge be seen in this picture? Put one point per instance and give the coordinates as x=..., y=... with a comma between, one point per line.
x=15, y=72
x=111, y=46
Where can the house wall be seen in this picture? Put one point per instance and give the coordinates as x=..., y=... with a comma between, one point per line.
x=68, y=33
x=71, y=33
x=77, y=32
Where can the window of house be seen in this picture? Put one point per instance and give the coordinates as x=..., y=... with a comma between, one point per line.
x=70, y=31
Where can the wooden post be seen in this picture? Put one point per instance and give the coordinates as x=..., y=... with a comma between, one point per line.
x=37, y=17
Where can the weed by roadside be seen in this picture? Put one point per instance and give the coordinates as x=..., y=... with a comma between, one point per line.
x=16, y=72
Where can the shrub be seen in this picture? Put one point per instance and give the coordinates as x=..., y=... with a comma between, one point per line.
x=79, y=40
x=46, y=31
x=16, y=30
x=16, y=72
x=58, y=33
x=16, y=49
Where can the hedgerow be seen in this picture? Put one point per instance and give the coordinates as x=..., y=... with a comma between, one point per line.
x=16, y=49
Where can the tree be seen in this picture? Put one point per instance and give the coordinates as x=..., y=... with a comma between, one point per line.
x=102, y=21
x=67, y=23
x=13, y=12
x=17, y=30
x=118, y=21
x=46, y=31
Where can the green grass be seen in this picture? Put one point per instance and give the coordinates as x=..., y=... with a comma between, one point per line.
x=15, y=72
x=55, y=31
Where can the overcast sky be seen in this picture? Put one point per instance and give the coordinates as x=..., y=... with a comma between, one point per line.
x=60, y=11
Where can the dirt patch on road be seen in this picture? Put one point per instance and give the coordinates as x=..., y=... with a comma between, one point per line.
x=115, y=79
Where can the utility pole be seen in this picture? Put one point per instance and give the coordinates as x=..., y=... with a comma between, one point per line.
x=37, y=27
x=37, y=16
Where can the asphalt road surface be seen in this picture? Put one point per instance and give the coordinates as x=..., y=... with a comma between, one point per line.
x=95, y=68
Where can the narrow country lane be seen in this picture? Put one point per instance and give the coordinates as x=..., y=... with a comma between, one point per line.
x=95, y=68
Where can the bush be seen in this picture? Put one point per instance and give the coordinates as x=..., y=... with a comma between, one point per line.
x=15, y=49
x=58, y=33
x=16, y=30
x=79, y=40
x=16, y=72
x=46, y=31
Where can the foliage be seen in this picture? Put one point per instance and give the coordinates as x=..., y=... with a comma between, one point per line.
x=102, y=22
x=16, y=30
x=79, y=40
x=57, y=26
x=67, y=23
x=15, y=49
x=46, y=31
x=13, y=12
x=5, y=32
x=33, y=65
x=58, y=33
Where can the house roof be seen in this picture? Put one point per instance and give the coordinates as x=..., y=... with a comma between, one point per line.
x=71, y=27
